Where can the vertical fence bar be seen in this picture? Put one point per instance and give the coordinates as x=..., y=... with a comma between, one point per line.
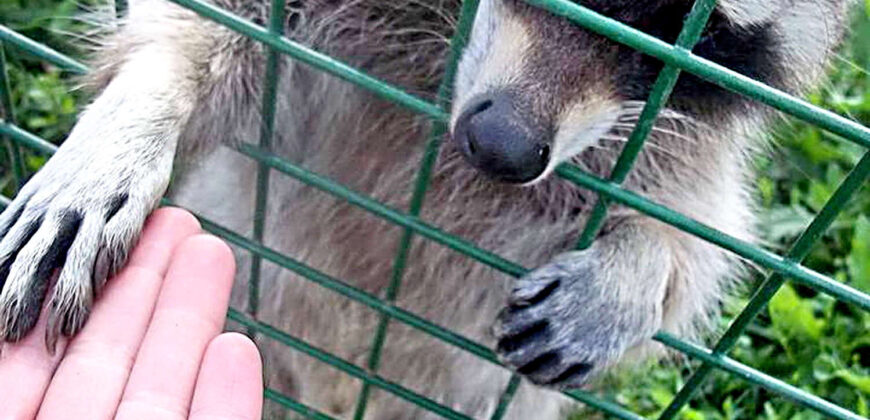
x=439, y=129
x=506, y=397
x=694, y=26
x=120, y=8
x=7, y=113
x=801, y=248
x=267, y=131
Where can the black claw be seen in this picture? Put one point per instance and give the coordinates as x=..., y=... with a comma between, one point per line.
x=19, y=325
x=74, y=321
x=54, y=258
x=115, y=205
x=539, y=297
x=5, y=266
x=15, y=216
x=545, y=361
x=101, y=269
x=536, y=331
x=574, y=375
x=66, y=321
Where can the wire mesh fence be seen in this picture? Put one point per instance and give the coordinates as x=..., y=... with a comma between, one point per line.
x=677, y=58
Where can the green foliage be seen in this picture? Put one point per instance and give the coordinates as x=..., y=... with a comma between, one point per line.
x=804, y=338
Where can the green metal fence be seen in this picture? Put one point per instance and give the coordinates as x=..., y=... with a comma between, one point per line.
x=677, y=58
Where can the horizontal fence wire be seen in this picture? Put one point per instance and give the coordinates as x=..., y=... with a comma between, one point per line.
x=676, y=57
x=345, y=366
x=765, y=381
x=313, y=58
x=296, y=406
x=483, y=352
x=41, y=51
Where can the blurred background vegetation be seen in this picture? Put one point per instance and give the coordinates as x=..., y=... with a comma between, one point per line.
x=804, y=338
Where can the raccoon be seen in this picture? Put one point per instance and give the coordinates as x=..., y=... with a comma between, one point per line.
x=532, y=91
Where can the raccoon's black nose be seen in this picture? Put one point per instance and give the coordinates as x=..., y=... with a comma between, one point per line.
x=496, y=139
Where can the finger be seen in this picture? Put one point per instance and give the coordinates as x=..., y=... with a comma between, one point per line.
x=90, y=380
x=230, y=382
x=189, y=314
x=26, y=368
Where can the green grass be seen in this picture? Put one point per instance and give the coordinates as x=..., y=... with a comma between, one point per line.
x=804, y=338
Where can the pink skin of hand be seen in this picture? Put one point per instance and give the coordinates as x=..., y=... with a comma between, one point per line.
x=152, y=348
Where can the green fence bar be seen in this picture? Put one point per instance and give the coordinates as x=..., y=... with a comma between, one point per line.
x=506, y=397
x=41, y=51
x=439, y=129
x=345, y=366
x=120, y=8
x=801, y=248
x=661, y=91
x=751, y=375
x=296, y=406
x=313, y=58
x=604, y=406
x=267, y=131
x=7, y=113
x=744, y=249
x=26, y=139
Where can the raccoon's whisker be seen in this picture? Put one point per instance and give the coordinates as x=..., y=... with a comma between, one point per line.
x=652, y=146
x=655, y=129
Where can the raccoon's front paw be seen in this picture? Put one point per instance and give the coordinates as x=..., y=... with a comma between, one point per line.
x=561, y=327
x=79, y=221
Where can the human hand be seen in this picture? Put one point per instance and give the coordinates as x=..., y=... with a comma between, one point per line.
x=152, y=348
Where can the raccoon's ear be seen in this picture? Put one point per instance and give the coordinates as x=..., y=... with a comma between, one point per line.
x=806, y=33
x=749, y=12
x=809, y=32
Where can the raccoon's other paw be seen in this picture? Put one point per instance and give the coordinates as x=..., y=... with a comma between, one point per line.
x=563, y=324
x=74, y=227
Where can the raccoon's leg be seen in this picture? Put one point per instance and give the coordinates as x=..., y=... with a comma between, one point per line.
x=576, y=316
x=83, y=211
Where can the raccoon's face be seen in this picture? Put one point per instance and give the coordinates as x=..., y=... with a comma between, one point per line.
x=534, y=90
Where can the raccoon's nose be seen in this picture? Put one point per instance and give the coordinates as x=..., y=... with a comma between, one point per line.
x=495, y=138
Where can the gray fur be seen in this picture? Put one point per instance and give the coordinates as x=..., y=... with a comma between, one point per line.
x=175, y=88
